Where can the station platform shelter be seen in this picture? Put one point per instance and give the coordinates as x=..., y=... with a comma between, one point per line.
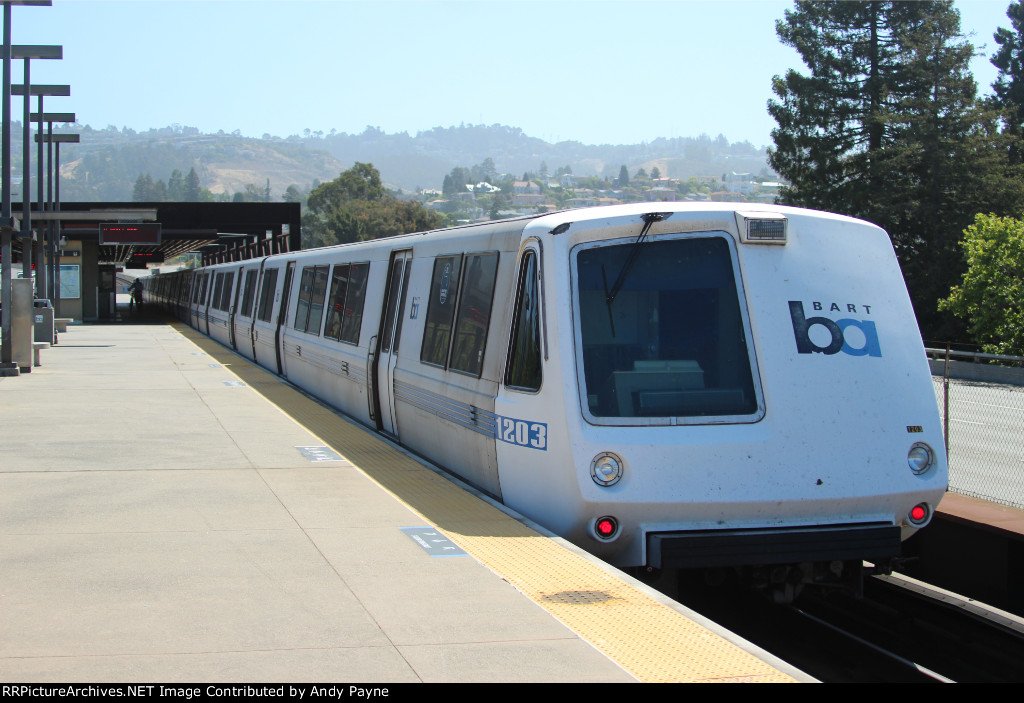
x=100, y=240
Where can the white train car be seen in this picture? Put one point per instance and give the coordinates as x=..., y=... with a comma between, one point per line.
x=664, y=384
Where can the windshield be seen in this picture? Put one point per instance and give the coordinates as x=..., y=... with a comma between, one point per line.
x=672, y=342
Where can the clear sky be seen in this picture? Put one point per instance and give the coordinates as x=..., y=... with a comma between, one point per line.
x=596, y=71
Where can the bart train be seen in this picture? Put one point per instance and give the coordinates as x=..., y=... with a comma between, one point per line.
x=664, y=384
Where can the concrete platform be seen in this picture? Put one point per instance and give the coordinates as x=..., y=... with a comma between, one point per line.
x=158, y=522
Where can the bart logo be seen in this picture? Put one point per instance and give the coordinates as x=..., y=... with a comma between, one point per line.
x=836, y=328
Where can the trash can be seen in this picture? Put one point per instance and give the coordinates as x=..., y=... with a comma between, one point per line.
x=42, y=321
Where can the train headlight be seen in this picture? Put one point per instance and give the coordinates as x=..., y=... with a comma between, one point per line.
x=920, y=458
x=606, y=469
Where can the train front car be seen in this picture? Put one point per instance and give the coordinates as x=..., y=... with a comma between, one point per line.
x=732, y=387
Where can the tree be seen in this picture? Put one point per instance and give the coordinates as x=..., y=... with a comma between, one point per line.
x=361, y=182
x=192, y=189
x=484, y=172
x=623, y=179
x=253, y=194
x=991, y=295
x=886, y=128
x=143, y=191
x=160, y=191
x=176, y=186
x=457, y=180
x=1009, y=84
x=498, y=203
x=355, y=207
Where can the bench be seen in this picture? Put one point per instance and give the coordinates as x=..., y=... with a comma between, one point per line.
x=60, y=324
x=36, y=348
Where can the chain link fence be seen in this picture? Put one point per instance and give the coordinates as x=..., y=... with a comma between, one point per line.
x=981, y=403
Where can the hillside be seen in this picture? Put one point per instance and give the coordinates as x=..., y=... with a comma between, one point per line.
x=107, y=163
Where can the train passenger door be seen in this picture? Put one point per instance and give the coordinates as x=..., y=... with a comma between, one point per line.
x=208, y=286
x=233, y=309
x=386, y=358
x=257, y=310
x=524, y=409
x=282, y=317
x=263, y=317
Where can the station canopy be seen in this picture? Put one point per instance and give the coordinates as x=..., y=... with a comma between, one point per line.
x=141, y=233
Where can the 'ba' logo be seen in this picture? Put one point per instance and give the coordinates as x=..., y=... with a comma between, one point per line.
x=837, y=329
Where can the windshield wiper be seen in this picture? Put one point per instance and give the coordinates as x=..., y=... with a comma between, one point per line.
x=609, y=296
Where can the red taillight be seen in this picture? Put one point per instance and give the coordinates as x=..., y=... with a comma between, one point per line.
x=919, y=514
x=606, y=527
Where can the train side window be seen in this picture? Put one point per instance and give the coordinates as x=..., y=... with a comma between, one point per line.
x=202, y=290
x=523, y=370
x=348, y=291
x=339, y=289
x=267, y=295
x=353, y=312
x=474, y=315
x=302, y=304
x=250, y=290
x=397, y=270
x=401, y=305
x=218, y=286
x=316, y=301
x=225, y=298
x=437, y=332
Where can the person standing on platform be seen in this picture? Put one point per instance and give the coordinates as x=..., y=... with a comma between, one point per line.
x=135, y=289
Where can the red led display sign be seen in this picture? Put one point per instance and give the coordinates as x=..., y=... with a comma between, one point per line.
x=131, y=233
x=139, y=260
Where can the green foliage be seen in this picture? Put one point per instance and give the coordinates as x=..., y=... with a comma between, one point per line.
x=192, y=189
x=361, y=182
x=991, y=296
x=623, y=179
x=460, y=177
x=1009, y=85
x=176, y=186
x=355, y=207
x=177, y=189
x=146, y=191
x=456, y=181
x=253, y=194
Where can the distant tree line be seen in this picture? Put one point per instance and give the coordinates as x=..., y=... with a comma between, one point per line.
x=178, y=188
x=187, y=189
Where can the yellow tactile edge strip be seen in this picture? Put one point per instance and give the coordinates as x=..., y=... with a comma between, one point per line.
x=647, y=638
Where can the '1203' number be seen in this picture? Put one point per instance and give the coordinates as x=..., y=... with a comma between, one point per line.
x=523, y=433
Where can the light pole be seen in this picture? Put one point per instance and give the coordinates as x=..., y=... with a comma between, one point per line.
x=53, y=200
x=47, y=290
x=28, y=53
x=40, y=91
x=7, y=365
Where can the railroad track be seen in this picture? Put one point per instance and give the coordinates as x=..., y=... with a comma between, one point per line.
x=900, y=631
